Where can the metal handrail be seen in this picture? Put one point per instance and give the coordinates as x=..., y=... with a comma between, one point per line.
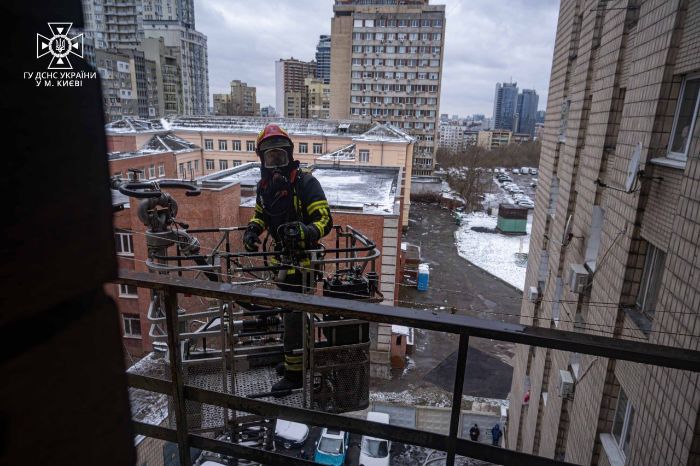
x=464, y=326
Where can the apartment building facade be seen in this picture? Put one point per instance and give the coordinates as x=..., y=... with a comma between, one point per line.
x=386, y=66
x=244, y=101
x=323, y=59
x=290, y=92
x=614, y=248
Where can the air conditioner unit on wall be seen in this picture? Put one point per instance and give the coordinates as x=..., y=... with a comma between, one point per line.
x=566, y=384
x=578, y=278
x=533, y=294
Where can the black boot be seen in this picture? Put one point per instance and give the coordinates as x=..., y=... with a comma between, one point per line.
x=290, y=381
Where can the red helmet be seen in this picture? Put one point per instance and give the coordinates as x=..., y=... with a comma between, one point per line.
x=273, y=136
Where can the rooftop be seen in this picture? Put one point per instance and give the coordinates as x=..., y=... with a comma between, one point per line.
x=370, y=190
x=158, y=144
x=357, y=130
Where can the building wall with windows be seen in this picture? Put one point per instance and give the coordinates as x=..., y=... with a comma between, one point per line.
x=387, y=66
x=623, y=84
x=228, y=142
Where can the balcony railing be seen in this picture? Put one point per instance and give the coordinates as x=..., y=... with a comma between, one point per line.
x=465, y=327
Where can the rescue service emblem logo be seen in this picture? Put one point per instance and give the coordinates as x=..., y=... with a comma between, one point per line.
x=60, y=46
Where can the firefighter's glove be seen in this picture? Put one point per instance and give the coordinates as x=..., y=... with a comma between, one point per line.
x=251, y=240
x=297, y=235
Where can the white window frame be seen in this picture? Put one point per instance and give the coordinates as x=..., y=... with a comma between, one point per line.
x=208, y=144
x=627, y=421
x=317, y=148
x=223, y=144
x=236, y=145
x=303, y=147
x=124, y=291
x=652, y=277
x=683, y=156
x=161, y=170
x=151, y=172
x=126, y=241
x=128, y=326
x=210, y=164
x=223, y=164
x=250, y=146
x=364, y=156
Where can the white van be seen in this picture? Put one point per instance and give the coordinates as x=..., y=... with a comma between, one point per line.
x=375, y=451
x=525, y=170
x=516, y=171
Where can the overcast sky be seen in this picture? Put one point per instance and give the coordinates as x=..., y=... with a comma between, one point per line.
x=487, y=41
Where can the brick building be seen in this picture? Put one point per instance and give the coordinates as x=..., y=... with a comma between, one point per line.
x=226, y=142
x=624, y=84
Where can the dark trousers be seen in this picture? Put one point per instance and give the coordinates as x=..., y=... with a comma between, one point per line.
x=293, y=331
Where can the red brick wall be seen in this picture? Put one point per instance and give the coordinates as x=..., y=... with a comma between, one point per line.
x=121, y=143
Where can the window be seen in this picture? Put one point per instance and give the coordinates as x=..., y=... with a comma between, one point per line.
x=209, y=164
x=303, y=148
x=237, y=145
x=223, y=164
x=128, y=291
x=369, y=23
x=124, y=243
x=223, y=144
x=208, y=144
x=622, y=423
x=364, y=156
x=189, y=167
x=236, y=163
x=651, y=280
x=686, y=114
x=161, y=170
x=132, y=325
x=318, y=148
x=250, y=146
x=181, y=169
x=357, y=23
x=196, y=165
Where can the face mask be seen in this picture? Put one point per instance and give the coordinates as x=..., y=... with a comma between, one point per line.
x=275, y=158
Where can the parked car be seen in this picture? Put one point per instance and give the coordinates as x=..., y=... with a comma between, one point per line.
x=332, y=447
x=515, y=171
x=533, y=171
x=375, y=451
x=290, y=434
x=533, y=184
x=526, y=203
x=525, y=170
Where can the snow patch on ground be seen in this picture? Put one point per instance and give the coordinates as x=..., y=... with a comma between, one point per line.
x=499, y=255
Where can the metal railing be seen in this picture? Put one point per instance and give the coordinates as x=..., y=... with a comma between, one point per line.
x=464, y=326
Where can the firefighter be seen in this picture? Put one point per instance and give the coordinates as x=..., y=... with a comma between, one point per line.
x=287, y=196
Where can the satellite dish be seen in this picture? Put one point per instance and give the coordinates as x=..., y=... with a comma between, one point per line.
x=567, y=232
x=633, y=168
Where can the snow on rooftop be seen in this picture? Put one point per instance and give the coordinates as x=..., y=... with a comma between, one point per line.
x=253, y=125
x=358, y=130
x=372, y=191
x=364, y=189
x=246, y=176
x=345, y=153
x=133, y=125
